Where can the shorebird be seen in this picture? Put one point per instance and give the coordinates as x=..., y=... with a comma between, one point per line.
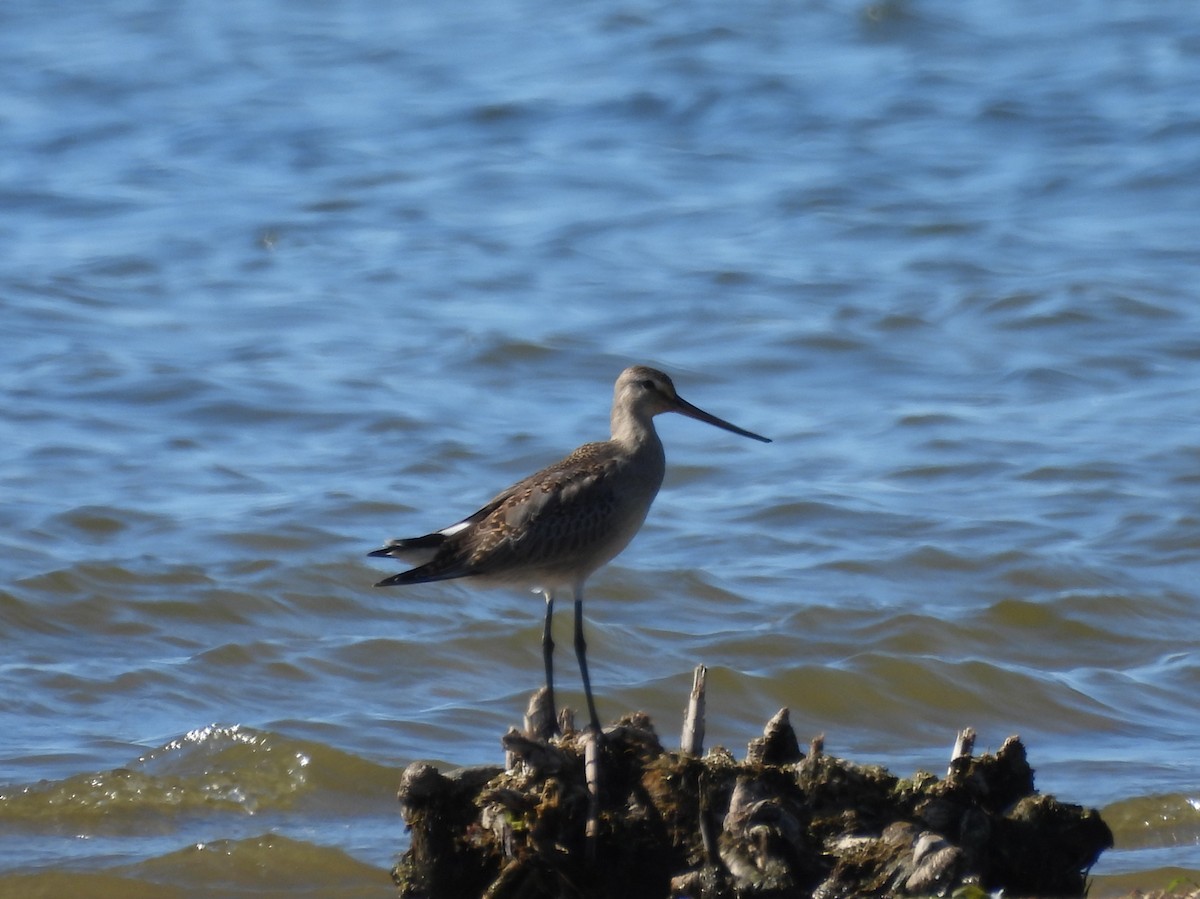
x=552, y=530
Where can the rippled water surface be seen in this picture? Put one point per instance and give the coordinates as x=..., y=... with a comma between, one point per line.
x=281, y=282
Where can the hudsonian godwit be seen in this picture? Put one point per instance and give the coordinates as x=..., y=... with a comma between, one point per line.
x=549, y=532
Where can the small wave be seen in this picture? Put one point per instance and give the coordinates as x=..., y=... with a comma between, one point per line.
x=216, y=769
x=264, y=865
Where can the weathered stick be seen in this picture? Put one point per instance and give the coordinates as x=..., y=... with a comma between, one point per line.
x=778, y=744
x=708, y=835
x=591, y=773
x=964, y=745
x=539, y=716
x=692, y=740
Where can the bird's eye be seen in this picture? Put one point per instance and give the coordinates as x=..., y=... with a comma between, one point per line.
x=649, y=385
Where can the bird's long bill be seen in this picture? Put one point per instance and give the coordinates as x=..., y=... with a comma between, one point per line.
x=683, y=407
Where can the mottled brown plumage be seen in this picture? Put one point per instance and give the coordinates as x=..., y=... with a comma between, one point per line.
x=552, y=530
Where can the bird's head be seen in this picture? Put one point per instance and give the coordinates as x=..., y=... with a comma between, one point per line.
x=643, y=392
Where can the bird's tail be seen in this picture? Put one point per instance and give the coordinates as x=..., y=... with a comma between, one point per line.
x=412, y=576
x=417, y=550
x=437, y=570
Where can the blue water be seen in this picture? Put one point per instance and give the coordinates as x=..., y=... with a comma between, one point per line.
x=281, y=281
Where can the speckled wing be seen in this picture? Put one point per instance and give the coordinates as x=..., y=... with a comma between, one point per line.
x=555, y=522
x=556, y=519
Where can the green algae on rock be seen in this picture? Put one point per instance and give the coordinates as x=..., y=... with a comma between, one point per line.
x=779, y=824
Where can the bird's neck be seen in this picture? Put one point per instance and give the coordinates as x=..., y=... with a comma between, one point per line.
x=633, y=431
x=641, y=448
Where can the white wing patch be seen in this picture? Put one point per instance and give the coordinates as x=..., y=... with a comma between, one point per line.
x=455, y=528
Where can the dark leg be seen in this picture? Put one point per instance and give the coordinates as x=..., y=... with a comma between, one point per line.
x=548, y=653
x=581, y=654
